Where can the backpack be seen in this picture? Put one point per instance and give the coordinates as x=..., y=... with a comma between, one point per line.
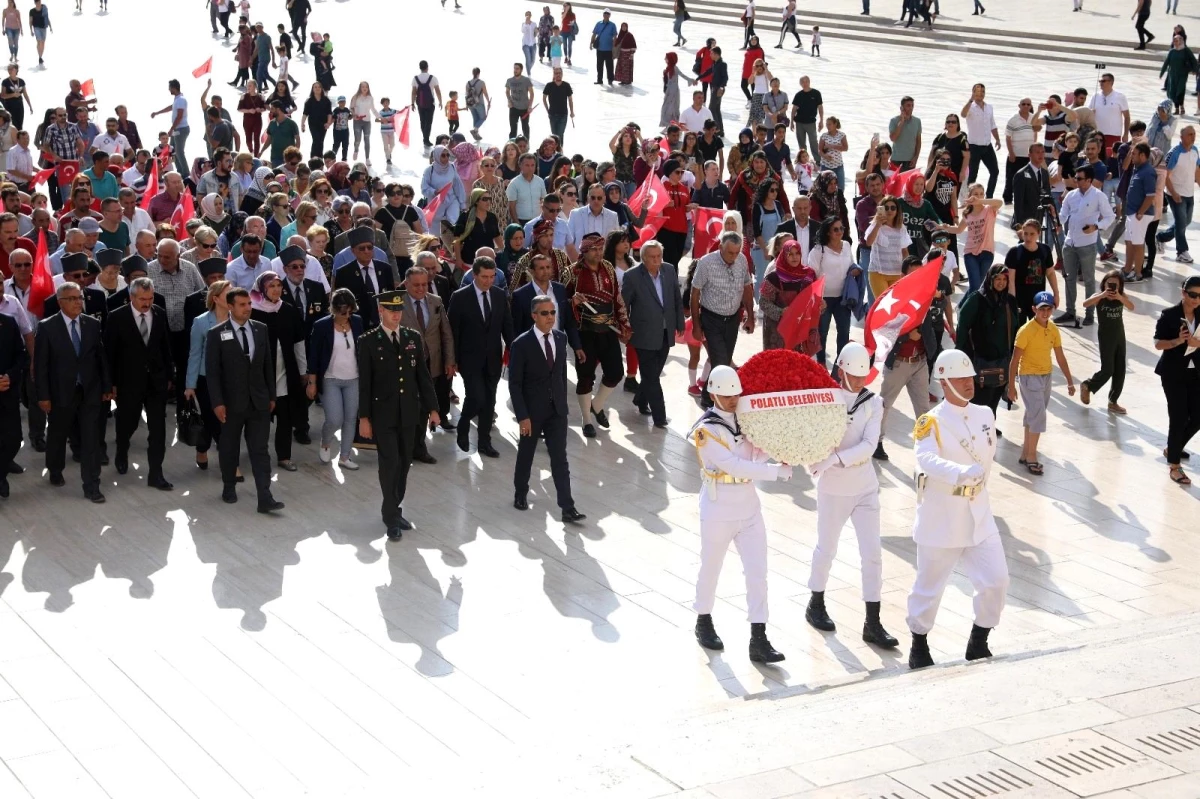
x=424, y=92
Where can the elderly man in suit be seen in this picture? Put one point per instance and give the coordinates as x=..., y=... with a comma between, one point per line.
x=801, y=226
x=241, y=387
x=138, y=336
x=542, y=270
x=655, y=309
x=73, y=384
x=365, y=275
x=309, y=298
x=482, y=325
x=537, y=385
x=425, y=313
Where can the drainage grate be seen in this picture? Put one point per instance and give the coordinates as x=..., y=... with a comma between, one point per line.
x=1173, y=742
x=984, y=783
x=1085, y=761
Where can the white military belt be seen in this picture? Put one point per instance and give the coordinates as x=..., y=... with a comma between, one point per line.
x=722, y=477
x=926, y=484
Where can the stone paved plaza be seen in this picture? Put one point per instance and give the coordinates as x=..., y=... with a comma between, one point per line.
x=169, y=645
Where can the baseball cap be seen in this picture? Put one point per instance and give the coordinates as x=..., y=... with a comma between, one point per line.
x=341, y=98
x=89, y=225
x=1043, y=298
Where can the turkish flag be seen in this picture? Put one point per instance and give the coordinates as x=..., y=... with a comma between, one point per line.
x=899, y=310
x=183, y=212
x=66, y=171
x=203, y=69
x=432, y=208
x=404, y=115
x=896, y=184
x=41, y=177
x=706, y=235
x=88, y=89
x=530, y=111
x=151, y=185
x=802, y=315
x=649, y=230
x=43, y=282
x=659, y=199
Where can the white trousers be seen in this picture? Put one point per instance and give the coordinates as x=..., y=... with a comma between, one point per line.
x=750, y=538
x=832, y=513
x=985, y=567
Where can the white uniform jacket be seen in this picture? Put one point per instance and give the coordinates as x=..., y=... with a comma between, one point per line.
x=727, y=457
x=953, y=508
x=848, y=471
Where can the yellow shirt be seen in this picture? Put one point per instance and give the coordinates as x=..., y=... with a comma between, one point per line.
x=1036, y=343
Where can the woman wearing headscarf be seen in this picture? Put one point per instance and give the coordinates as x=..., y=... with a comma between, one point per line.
x=256, y=195
x=439, y=174
x=1177, y=66
x=476, y=227
x=828, y=201
x=466, y=158
x=625, y=215
x=740, y=152
x=289, y=363
x=671, y=76
x=543, y=244
x=649, y=161
x=988, y=321
x=1161, y=126
x=744, y=191
x=212, y=212
x=547, y=157
x=785, y=279
x=234, y=229
x=490, y=182
x=199, y=167
x=338, y=175
x=514, y=249
x=251, y=105
x=625, y=46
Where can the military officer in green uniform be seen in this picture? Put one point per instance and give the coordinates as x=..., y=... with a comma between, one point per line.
x=394, y=388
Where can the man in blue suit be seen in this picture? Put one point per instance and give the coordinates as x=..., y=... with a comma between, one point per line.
x=542, y=270
x=537, y=385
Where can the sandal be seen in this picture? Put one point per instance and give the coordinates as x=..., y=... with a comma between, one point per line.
x=1178, y=476
x=1117, y=409
x=1022, y=461
x=1034, y=467
x=1085, y=394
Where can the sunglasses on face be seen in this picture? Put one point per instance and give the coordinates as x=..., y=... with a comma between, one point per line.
x=547, y=313
x=569, y=194
x=836, y=229
x=889, y=207
x=206, y=245
x=1195, y=295
x=22, y=265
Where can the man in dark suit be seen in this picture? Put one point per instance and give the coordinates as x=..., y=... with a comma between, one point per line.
x=365, y=276
x=542, y=270
x=1030, y=183
x=196, y=303
x=73, y=384
x=75, y=270
x=425, y=313
x=482, y=325
x=802, y=227
x=655, y=309
x=143, y=370
x=241, y=387
x=12, y=368
x=395, y=399
x=308, y=297
x=132, y=268
x=537, y=385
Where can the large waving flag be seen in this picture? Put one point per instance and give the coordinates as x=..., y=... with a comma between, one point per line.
x=706, y=236
x=899, y=310
x=432, y=208
x=803, y=315
x=203, y=69
x=183, y=212
x=43, y=282
x=404, y=118
x=151, y=185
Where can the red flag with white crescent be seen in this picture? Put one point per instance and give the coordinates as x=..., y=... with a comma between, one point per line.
x=405, y=117
x=653, y=188
x=66, y=171
x=43, y=282
x=88, y=89
x=432, y=208
x=896, y=184
x=649, y=230
x=151, y=185
x=183, y=212
x=802, y=315
x=899, y=310
x=41, y=177
x=706, y=236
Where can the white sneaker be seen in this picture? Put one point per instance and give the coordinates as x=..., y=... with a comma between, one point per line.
x=326, y=455
x=346, y=463
x=1183, y=257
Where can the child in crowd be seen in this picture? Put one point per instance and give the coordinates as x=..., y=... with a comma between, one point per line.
x=452, y=112
x=163, y=152
x=556, y=47
x=816, y=41
x=341, y=126
x=805, y=170
x=387, y=127
x=1036, y=339
x=1110, y=303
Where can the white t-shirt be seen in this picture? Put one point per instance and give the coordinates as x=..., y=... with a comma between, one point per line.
x=283, y=67
x=179, y=104
x=1110, y=108
x=886, y=258
x=528, y=34
x=980, y=124
x=1183, y=175
x=111, y=144
x=432, y=81
x=694, y=120
x=1020, y=130
x=832, y=266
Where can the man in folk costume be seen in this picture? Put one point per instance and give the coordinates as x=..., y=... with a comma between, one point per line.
x=847, y=489
x=955, y=446
x=730, y=512
x=603, y=330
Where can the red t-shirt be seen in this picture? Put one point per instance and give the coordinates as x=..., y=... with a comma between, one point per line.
x=676, y=211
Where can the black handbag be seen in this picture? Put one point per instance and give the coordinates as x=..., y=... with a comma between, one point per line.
x=993, y=373
x=190, y=424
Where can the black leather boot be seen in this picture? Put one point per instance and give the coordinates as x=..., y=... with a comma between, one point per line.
x=706, y=634
x=873, y=632
x=816, y=615
x=918, y=653
x=761, y=650
x=977, y=647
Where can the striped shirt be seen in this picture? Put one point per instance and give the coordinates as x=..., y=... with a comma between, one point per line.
x=175, y=287
x=721, y=284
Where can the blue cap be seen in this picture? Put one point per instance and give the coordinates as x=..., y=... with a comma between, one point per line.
x=341, y=98
x=1043, y=298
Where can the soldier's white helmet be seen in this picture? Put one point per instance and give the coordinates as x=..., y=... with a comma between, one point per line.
x=854, y=360
x=724, y=380
x=951, y=364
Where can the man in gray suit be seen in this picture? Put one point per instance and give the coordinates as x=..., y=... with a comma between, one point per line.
x=241, y=386
x=655, y=309
x=425, y=313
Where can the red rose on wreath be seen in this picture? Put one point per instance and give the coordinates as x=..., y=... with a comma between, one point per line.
x=782, y=370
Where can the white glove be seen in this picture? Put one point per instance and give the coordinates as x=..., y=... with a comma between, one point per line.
x=973, y=475
x=784, y=472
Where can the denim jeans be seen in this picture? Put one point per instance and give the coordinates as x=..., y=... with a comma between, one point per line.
x=478, y=114
x=14, y=35
x=840, y=314
x=530, y=54
x=1181, y=212
x=977, y=267
x=568, y=45
x=178, y=141
x=339, y=398
x=864, y=263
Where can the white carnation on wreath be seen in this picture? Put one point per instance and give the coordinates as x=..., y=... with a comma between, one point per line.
x=798, y=435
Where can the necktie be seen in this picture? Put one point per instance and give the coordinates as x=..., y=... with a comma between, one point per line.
x=549, y=352
x=300, y=297
x=487, y=308
x=396, y=342
x=144, y=329
x=369, y=279
x=75, y=336
x=421, y=315
x=245, y=342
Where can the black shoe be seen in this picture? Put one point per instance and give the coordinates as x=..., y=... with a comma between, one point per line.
x=879, y=454
x=303, y=438
x=404, y=524
x=816, y=615
x=202, y=465
x=521, y=503
x=977, y=647
x=918, y=653
x=104, y=459
x=1089, y=320
x=572, y=516
x=97, y=498
x=1065, y=316
x=270, y=506
x=424, y=457
x=160, y=483
x=464, y=438
x=487, y=450
x=241, y=478
x=122, y=464
x=15, y=468
x=39, y=443
x=56, y=479
x=761, y=650
x=706, y=633
x=663, y=425
x=229, y=494
x=3, y=487
x=394, y=533
x=873, y=632
x=589, y=431
x=601, y=417
x=599, y=83
x=448, y=425
x=644, y=410
x=631, y=384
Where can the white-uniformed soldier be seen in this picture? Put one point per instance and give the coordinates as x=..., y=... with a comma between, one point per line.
x=730, y=512
x=847, y=489
x=955, y=445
